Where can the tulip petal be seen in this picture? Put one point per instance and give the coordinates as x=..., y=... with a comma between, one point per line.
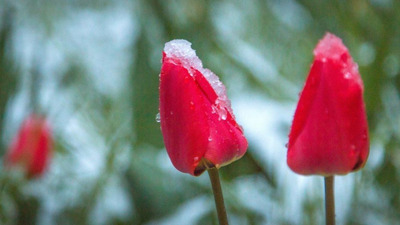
x=184, y=119
x=31, y=148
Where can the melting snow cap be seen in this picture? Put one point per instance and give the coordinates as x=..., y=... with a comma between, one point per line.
x=180, y=50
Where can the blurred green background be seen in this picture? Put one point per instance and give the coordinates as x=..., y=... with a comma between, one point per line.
x=92, y=67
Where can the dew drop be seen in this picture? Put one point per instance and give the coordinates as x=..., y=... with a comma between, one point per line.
x=158, y=118
x=364, y=137
x=223, y=114
x=214, y=110
x=191, y=105
x=209, y=138
x=172, y=113
x=196, y=158
x=347, y=75
x=352, y=149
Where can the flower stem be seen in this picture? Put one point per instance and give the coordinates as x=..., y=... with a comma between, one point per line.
x=329, y=201
x=218, y=197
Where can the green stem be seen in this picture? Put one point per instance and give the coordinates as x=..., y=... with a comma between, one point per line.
x=329, y=201
x=218, y=197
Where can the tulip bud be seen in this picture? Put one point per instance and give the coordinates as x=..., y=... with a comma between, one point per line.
x=197, y=121
x=329, y=134
x=32, y=146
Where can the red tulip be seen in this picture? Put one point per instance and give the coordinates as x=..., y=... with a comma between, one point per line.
x=197, y=121
x=31, y=148
x=329, y=134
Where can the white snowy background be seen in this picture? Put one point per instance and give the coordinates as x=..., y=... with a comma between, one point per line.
x=260, y=49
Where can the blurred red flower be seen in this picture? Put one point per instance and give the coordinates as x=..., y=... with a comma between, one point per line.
x=329, y=134
x=197, y=121
x=32, y=147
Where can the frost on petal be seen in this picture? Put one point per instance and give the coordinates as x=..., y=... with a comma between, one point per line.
x=179, y=51
x=332, y=48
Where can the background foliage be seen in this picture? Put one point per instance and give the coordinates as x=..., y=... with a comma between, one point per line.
x=92, y=67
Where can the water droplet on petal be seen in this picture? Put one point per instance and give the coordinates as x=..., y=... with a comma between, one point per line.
x=209, y=138
x=214, y=110
x=221, y=106
x=191, y=105
x=158, y=118
x=196, y=158
x=347, y=75
x=364, y=136
x=223, y=114
x=352, y=150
